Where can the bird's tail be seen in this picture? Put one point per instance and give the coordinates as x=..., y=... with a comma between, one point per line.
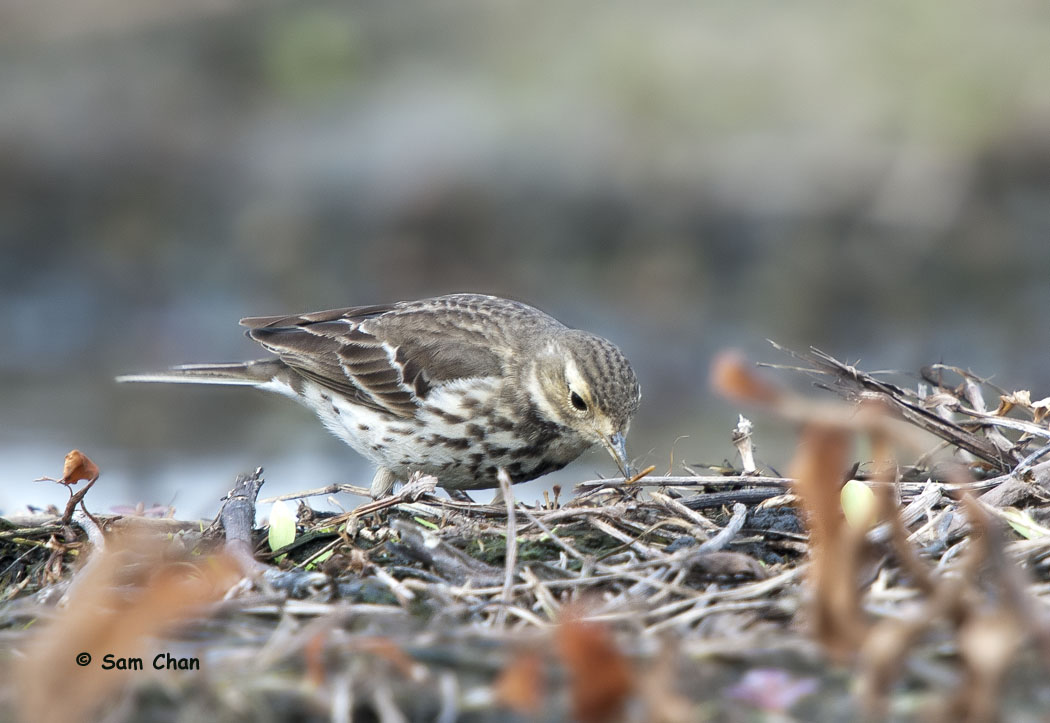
x=252, y=373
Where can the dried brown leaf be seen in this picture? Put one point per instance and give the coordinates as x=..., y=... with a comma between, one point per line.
x=522, y=685
x=601, y=679
x=819, y=469
x=733, y=377
x=78, y=466
x=988, y=644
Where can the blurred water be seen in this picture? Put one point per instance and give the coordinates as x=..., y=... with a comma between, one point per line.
x=874, y=181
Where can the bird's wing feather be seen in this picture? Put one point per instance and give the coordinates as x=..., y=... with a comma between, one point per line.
x=358, y=313
x=386, y=358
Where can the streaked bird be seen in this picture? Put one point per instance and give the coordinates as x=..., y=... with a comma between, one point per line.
x=454, y=386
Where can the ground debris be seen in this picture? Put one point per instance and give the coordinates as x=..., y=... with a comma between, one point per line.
x=665, y=598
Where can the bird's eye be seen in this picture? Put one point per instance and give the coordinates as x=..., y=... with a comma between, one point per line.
x=577, y=401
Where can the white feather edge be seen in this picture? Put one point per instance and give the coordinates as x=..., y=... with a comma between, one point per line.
x=175, y=378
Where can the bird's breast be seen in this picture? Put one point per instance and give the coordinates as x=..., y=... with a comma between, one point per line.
x=463, y=433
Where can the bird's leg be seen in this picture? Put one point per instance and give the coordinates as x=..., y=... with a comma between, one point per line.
x=459, y=495
x=382, y=483
x=498, y=497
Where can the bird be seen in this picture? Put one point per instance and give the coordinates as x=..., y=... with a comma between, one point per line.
x=459, y=387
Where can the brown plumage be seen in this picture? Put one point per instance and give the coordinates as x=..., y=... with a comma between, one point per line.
x=456, y=386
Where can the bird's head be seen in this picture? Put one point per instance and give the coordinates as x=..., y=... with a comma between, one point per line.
x=585, y=383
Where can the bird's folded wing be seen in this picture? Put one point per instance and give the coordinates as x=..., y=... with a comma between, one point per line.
x=382, y=360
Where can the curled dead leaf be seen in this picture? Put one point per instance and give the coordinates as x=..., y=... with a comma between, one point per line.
x=78, y=466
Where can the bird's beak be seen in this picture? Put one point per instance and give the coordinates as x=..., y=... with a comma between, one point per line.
x=617, y=446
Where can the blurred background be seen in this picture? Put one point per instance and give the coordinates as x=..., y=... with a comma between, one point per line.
x=872, y=179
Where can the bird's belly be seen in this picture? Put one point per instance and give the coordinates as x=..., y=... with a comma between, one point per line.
x=462, y=444
x=371, y=433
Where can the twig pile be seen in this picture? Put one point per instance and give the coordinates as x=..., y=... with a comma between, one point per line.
x=662, y=598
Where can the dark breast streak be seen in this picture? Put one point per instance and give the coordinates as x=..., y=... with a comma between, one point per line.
x=526, y=447
x=544, y=447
